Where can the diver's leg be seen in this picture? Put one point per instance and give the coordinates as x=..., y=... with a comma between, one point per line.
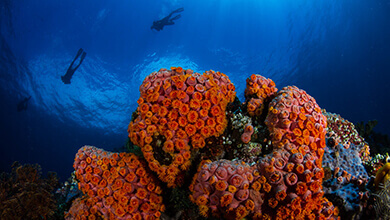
x=173, y=12
x=81, y=60
x=176, y=17
x=78, y=54
x=178, y=10
x=69, y=73
x=75, y=58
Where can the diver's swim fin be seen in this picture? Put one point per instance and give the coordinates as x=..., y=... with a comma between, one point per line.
x=78, y=53
x=83, y=56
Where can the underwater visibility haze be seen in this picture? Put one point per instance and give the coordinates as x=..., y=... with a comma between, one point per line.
x=72, y=74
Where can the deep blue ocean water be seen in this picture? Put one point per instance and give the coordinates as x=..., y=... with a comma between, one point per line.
x=336, y=50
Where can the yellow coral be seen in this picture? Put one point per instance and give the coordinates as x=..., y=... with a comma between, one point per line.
x=382, y=175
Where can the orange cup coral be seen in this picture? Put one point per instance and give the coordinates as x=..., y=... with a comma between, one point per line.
x=123, y=190
x=289, y=178
x=192, y=107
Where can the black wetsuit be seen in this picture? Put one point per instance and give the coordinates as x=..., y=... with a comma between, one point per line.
x=22, y=105
x=69, y=73
x=159, y=25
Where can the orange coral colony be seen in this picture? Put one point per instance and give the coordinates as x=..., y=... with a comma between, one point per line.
x=287, y=182
x=120, y=187
x=222, y=188
x=179, y=113
x=188, y=108
x=258, y=90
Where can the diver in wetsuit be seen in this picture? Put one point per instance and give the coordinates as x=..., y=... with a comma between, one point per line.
x=159, y=25
x=69, y=73
x=22, y=105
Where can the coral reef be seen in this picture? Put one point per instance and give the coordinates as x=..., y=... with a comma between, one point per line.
x=116, y=186
x=342, y=131
x=289, y=179
x=382, y=175
x=375, y=163
x=346, y=187
x=366, y=129
x=278, y=155
x=346, y=162
x=379, y=143
x=178, y=110
x=258, y=91
x=380, y=208
x=25, y=195
x=65, y=195
x=222, y=188
x=244, y=140
x=345, y=157
x=294, y=169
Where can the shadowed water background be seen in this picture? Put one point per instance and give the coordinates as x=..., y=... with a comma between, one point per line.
x=338, y=51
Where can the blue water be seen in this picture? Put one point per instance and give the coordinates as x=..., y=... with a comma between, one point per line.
x=336, y=50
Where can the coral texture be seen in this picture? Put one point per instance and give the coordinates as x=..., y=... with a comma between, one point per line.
x=248, y=131
x=345, y=161
x=25, y=195
x=294, y=170
x=285, y=183
x=246, y=141
x=382, y=175
x=345, y=187
x=381, y=205
x=258, y=89
x=375, y=163
x=116, y=186
x=222, y=188
x=178, y=110
x=295, y=117
x=342, y=131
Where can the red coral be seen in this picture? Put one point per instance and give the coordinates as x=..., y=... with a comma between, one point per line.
x=179, y=108
x=115, y=186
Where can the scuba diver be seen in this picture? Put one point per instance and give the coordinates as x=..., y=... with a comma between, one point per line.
x=22, y=105
x=159, y=25
x=69, y=73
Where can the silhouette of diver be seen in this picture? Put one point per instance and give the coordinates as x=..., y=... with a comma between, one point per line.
x=69, y=73
x=159, y=25
x=22, y=105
